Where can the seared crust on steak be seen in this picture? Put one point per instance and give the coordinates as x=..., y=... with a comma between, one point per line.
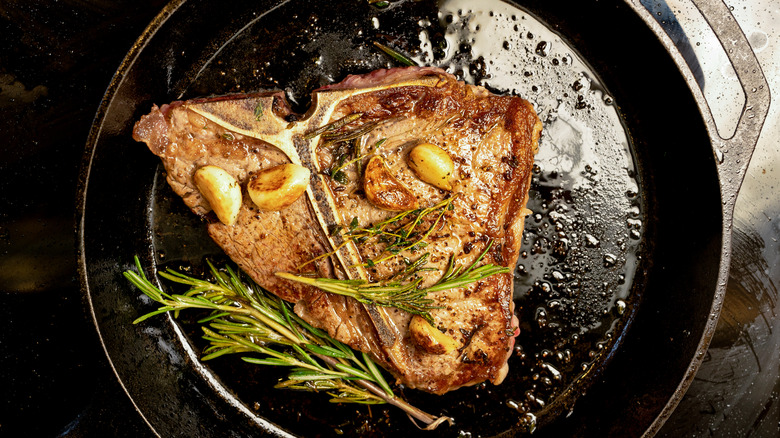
x=491, y=139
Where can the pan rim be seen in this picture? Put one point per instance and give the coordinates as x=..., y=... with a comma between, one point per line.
x=83, y=182
x=129, y=61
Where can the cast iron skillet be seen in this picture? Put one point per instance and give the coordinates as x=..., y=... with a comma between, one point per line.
x=687, y=197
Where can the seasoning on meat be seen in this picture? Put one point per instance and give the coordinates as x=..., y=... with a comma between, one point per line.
x=380, y=116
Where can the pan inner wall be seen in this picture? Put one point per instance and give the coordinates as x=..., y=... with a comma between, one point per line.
x=582, y=244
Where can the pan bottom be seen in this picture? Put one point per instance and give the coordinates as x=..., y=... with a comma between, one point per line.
x=574, y=283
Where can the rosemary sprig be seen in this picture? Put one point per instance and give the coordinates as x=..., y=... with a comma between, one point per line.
x=454, y=278
x=405, y=296
x=246, y=319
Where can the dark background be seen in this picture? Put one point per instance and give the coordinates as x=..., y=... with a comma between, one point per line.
x=56, y=60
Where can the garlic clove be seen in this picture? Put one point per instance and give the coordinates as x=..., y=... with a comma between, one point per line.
x=383, y=190
x=432, y=165
x=429, y=338
x=278, y=187
x=221, y=190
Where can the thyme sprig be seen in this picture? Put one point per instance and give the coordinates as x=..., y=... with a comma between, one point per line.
x=403, y=232
x=333, y=125
x=245, y=319
x=407, y=296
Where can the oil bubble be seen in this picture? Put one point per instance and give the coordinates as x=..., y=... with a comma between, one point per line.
x=620, y=307
x=591, y=241
x=543, y=48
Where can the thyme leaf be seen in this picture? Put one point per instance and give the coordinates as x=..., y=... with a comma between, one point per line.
x=259, y=111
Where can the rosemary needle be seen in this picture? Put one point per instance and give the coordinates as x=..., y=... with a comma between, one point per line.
x=245, y=319
x=405, y=296
x=395, y=55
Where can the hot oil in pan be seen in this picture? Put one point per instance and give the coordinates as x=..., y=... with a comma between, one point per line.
x=580, y=247
x=573, y=282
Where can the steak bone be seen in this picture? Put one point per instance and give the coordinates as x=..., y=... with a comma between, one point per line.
x=249, y=118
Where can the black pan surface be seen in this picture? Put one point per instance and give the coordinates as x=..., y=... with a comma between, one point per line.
x=620, y=259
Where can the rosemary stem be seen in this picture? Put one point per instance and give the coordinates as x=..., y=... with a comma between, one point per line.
x=393, y=400
x=335, y=288
x=273, y=324
x=246, y=320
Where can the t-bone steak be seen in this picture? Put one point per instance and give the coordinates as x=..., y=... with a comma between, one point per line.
x=491, y=141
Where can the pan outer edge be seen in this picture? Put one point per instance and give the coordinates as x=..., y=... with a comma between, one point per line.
x=730, y=177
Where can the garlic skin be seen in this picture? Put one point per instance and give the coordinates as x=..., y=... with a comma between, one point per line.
x=221, y=190
x=276, y=188
x=383, y=190
x=432, y=165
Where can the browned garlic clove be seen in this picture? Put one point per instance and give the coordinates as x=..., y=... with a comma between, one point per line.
x=429, y=338
x=383, y=190
x=221, y=190
x=278, y=187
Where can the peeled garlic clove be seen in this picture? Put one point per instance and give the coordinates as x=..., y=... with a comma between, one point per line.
x=429, y=338
x=432, y=165
x=221, y=190
x=383, y=190
x=277, y=187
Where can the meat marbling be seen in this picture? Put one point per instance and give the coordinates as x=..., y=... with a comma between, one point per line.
x=491, y=139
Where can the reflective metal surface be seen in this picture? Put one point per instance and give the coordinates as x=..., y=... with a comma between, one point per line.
x=737, y=389
x=55, y=62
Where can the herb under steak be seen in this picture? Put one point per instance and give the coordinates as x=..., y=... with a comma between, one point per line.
x=405, y=294
x=347, y=140
x=395, y=55
x=246, y=319
x=337, y=172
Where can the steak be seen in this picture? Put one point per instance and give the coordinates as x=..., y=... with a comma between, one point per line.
x=491, y=141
